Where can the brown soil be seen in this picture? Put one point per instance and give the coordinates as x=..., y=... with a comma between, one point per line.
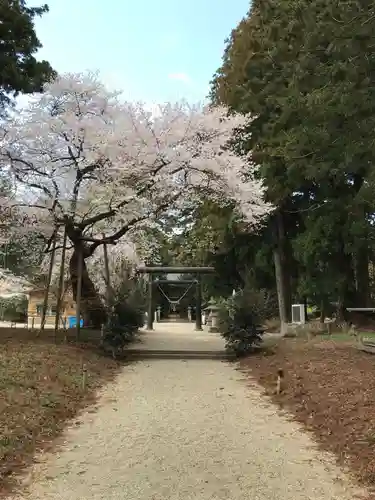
x=330, y=388
x=40, y=389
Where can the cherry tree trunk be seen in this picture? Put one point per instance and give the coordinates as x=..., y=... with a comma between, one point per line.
x=92, y=308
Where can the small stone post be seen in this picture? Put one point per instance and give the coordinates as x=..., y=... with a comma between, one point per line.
x=158, y=314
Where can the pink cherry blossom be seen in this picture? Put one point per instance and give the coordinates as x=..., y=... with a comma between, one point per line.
x=82, y=157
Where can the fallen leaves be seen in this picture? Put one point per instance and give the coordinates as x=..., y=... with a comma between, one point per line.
x=330, y=391
x=40, y=389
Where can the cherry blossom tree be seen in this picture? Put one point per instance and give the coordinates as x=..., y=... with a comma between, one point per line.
x=124, y=254
x=99, y=167
x=11, y=284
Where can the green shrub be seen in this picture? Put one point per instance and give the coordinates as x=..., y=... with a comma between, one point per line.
x=261, y=303
x=122, y=325
x=125, y=316
x=237, y=326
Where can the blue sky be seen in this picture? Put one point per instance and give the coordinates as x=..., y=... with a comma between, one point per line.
x=153, y=50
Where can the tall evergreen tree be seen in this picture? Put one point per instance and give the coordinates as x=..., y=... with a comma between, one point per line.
x=20, y=72
x=302, y=68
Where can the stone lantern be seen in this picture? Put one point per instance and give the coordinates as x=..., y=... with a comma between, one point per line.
x=213, y=317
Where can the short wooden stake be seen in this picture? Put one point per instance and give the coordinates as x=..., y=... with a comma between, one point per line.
x=84, y=377
x=280, y=377
x=102, y=334
x=329, y=328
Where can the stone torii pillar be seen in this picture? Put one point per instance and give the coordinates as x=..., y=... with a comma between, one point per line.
x=155, y=270
x=198, y=305
x=150, y=310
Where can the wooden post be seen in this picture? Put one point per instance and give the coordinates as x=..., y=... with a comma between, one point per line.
x=150, y=312
x=79, y=292
x=61, y=283
x=65, y=327
x=198, y=307
x=48, y=284
x=329, y=327
x=102, y=335
x=280, y=377
x=107, y=276
x=84, y=377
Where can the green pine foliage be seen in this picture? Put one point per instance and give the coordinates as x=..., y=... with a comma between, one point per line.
x=239, y=326
x=303, y=69
x=20, y=71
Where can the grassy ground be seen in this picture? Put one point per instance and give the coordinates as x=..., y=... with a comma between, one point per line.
x=344, y=337
x=40, y=389
x=329, y=388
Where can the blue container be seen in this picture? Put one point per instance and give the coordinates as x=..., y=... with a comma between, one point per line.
x=73, y=321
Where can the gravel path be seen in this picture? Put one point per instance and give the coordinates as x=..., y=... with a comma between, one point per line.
x=173, y=429
x=185, y=430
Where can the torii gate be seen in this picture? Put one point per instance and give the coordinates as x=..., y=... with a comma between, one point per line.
x=196, y=271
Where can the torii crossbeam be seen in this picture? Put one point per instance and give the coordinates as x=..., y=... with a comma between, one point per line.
x=196, y=271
